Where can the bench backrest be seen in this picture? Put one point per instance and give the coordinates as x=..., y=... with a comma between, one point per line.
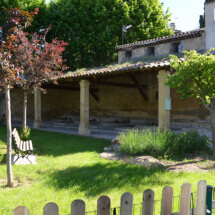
x=23, y=146
x=16, y=136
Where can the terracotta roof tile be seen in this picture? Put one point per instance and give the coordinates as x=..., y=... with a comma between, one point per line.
x=159, y=40
x=119, y=69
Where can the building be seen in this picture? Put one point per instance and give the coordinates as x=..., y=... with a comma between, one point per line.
x=130, y=92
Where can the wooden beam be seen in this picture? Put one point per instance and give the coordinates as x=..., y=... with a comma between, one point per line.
x=92, y=92
x=116, y=84
x=139, y=87
x=66, y=88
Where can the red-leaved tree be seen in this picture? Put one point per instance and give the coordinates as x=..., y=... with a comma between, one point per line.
x=37, y=61
x=26, y=61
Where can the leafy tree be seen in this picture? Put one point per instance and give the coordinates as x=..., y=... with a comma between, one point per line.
x=194, y=76
x=26, y=63
x=37, y=61
x=94, y=28
x=8, y=71
x=202, y=21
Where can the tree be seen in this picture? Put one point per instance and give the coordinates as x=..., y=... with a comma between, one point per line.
x=26, y=63
x=94, y=28
x=8, y=71
x=194, y=76
x=38, y=61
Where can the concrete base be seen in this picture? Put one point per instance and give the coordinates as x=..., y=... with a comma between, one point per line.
x=84, y=129
x=38, y=124
x=17, y=160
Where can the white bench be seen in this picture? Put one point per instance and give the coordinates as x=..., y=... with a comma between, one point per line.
x=22, y=148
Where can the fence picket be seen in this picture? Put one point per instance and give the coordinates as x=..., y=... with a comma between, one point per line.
x=201, y=198
x=148, y=200
x=78, y=207
x=126, y=204
x=21, y=210
x=166, y=203
x=103, y=205
x=51, y=209
x=185, y=199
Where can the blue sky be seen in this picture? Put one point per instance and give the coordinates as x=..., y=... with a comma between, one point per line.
x=185, y=13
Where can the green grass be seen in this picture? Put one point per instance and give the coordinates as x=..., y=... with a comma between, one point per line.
x=69, y=167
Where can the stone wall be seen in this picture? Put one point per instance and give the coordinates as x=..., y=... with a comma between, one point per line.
x=116, y=104
x=164, y=49
x=2, y=107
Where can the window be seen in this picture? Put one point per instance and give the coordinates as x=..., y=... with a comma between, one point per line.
x=150, y=51
x=128, y=54
x=175, y=47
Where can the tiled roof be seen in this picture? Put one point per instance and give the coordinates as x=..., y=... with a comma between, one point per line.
x=159, y=40
x=118, y=69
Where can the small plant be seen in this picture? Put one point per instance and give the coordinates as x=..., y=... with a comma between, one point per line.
x=25, y=133
x=163, y=144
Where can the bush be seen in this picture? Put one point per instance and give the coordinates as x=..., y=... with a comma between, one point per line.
x=158, y=143
x=25, y=133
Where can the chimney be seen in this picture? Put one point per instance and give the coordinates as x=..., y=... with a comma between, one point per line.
x=210, y=23
x=172, y=25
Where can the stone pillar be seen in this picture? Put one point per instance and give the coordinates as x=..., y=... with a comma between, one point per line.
x=84, y=127
x=37, y=109
x=164, y=93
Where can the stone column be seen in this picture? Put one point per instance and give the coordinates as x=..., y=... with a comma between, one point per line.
x=84, y=127
x=37, y=109
x=164, y=93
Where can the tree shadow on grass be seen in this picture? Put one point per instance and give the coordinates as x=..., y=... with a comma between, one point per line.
x=102, y=177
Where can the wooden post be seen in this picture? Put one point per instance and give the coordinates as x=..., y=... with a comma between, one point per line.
x=201, y=198
x=103, y=205
x=185, y=199
x=126, y=204
x=166, y=204
x=21, y=210
x=148, y=202
x=78, y=207
x=51, y=209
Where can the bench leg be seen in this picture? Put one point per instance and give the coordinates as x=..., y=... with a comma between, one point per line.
x=28, y=159
x=17, y=158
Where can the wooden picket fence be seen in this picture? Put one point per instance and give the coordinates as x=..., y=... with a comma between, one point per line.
x=104, y=203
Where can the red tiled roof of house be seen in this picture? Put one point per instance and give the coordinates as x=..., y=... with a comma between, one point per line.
x=159, y=40
x=117, y=69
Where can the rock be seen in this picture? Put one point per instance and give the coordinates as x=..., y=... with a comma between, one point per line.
x=146, y=161
x=115, y=141
x=112, y=148
x=110, y=155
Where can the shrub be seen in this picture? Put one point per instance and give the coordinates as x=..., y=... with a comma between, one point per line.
x=157, y=143
x=25, y=133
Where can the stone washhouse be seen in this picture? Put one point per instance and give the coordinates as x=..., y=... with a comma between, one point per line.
x=131, y=94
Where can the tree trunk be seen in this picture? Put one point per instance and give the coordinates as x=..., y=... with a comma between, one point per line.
x=212, y=113
x=9, y=137
x=25, y=110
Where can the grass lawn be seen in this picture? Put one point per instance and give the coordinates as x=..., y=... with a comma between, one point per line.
x=69, y=167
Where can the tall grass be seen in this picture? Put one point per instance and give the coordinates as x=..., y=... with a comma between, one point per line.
x=163, y=143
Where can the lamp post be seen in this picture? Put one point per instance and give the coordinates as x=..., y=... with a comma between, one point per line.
x=124, y=30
